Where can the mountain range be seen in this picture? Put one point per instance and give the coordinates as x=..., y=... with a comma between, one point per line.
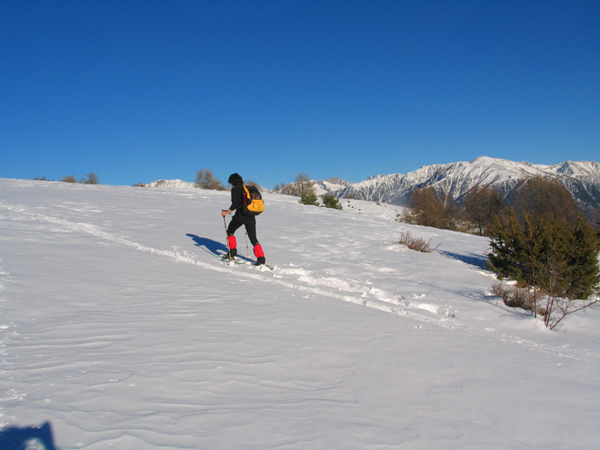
x=581, y=178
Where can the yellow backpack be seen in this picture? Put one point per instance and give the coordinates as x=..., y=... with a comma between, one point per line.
x=253, y=203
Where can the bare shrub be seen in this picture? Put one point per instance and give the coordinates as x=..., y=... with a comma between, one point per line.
x=205, y=179
x=415, y=243
x=481, y=204
x=302, y=186
x=431, y=209
x=559, y=303
x=518, y=297
x=92, y=178
x=557, y=308
x=549, y=305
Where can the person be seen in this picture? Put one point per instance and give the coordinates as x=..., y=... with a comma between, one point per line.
x=239, y=219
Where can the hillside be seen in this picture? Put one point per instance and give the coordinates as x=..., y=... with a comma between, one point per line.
x=119, y=328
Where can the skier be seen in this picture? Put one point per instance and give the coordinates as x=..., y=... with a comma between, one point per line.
x=239, y=219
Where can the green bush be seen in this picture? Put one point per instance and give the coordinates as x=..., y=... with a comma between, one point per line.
x=547, y=252
x=330, y=201
x=547, y=245
x=309, y=198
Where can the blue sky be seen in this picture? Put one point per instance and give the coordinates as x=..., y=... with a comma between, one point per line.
x=137, y=91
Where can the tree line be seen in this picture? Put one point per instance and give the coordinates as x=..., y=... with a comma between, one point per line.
x=91, y=178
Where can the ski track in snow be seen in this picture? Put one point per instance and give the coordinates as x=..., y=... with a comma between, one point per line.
x=302, y=280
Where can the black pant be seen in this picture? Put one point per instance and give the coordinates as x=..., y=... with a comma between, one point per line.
x=250, y=229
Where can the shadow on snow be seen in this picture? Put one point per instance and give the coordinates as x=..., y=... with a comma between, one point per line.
x=214, y=247
x=472, y=259
x=15, y=438
x=209, y=245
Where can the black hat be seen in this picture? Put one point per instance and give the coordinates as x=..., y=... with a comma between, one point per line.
x=235, y=179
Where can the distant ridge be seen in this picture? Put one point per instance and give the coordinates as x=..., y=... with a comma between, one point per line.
x=171, y=184
x=582, y=179
x=179, y=184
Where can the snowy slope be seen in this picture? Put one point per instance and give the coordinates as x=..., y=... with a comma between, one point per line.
x=120, y=329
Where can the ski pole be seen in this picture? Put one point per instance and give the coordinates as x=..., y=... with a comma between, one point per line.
x=247, y=251
x=227, y=239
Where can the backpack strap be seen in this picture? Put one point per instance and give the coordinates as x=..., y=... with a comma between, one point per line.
x=246, y=196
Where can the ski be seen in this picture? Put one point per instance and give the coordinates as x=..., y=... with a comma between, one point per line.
x=238, y=261
x=225, y=259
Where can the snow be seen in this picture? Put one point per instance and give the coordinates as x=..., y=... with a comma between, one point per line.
x=121, y=329
x=172, y=184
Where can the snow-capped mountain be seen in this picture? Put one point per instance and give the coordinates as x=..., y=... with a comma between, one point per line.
x=171, y=184
x=582, y=179
x=331, y=186
x=180, y=184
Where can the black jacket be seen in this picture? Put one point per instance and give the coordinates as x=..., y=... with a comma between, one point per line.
x=237, y=200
